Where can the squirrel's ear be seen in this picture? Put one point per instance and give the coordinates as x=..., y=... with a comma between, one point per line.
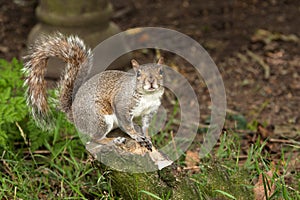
x=135, y=64
x=161, y=61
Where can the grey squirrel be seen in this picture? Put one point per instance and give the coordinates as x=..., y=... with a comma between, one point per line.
x=119, y=96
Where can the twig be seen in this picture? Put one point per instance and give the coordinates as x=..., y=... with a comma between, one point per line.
x=191, y=168
x=15, y=192
x=38, y=152
x=283, y=141
x=22, y=133
x=8, y=170
x=233, y=112
x=122, y=13
x=174, y=144
x=241, y=157
x=261, y=62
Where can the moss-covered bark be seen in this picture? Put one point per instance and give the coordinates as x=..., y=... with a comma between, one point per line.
x=164, y=184
x=129, y=158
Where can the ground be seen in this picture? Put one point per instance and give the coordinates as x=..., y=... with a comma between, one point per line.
x=254, y=43
x=227, y=30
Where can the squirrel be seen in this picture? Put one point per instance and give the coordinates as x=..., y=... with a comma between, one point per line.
x=119, y=97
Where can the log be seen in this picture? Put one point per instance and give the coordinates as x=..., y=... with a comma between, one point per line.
x=135, y=172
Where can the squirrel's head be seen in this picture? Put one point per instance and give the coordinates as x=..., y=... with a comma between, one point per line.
x=149, y=77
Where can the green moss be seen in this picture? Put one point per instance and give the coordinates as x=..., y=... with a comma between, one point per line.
x=220, y=178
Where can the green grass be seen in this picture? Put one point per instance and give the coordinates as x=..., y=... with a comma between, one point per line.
x=37, y=164
x=225, y=176
x=60, y=168
x=55, y=165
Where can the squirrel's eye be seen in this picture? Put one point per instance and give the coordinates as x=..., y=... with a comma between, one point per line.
x=138, y=73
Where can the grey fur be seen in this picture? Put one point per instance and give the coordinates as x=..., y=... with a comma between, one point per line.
x=108, y=100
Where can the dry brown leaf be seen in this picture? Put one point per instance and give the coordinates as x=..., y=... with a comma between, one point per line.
x=259, y=188
x=265, y=132
x=192, y=159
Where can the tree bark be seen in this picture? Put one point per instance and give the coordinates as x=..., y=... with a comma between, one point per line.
x=157, y=176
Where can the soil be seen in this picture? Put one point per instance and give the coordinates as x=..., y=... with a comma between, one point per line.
x=254, y=43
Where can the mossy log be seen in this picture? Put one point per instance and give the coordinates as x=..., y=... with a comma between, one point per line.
x=136, y=172
x=164, y=183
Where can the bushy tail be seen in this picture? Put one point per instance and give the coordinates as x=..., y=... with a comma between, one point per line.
x=73, y=51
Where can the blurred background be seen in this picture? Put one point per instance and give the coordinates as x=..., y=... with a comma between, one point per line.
x=254, y=43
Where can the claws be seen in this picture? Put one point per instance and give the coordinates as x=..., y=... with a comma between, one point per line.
x=144, y=142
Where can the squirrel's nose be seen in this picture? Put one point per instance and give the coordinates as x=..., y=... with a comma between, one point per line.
x=153, y=83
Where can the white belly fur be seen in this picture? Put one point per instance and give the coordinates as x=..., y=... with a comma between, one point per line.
x=147, y=104
x=111, y=121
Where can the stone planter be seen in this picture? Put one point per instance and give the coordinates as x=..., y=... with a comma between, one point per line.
x=90, y=20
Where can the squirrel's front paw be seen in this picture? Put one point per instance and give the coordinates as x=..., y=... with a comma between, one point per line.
x=144, y=142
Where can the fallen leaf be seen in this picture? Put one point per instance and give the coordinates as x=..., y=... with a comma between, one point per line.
x=264, y=182
x=192, y=160
x=4, y=49
x=265, y=132
x=261, y=62
x=262, y=35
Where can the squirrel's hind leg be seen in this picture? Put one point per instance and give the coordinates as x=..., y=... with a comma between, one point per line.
x=106, y=123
